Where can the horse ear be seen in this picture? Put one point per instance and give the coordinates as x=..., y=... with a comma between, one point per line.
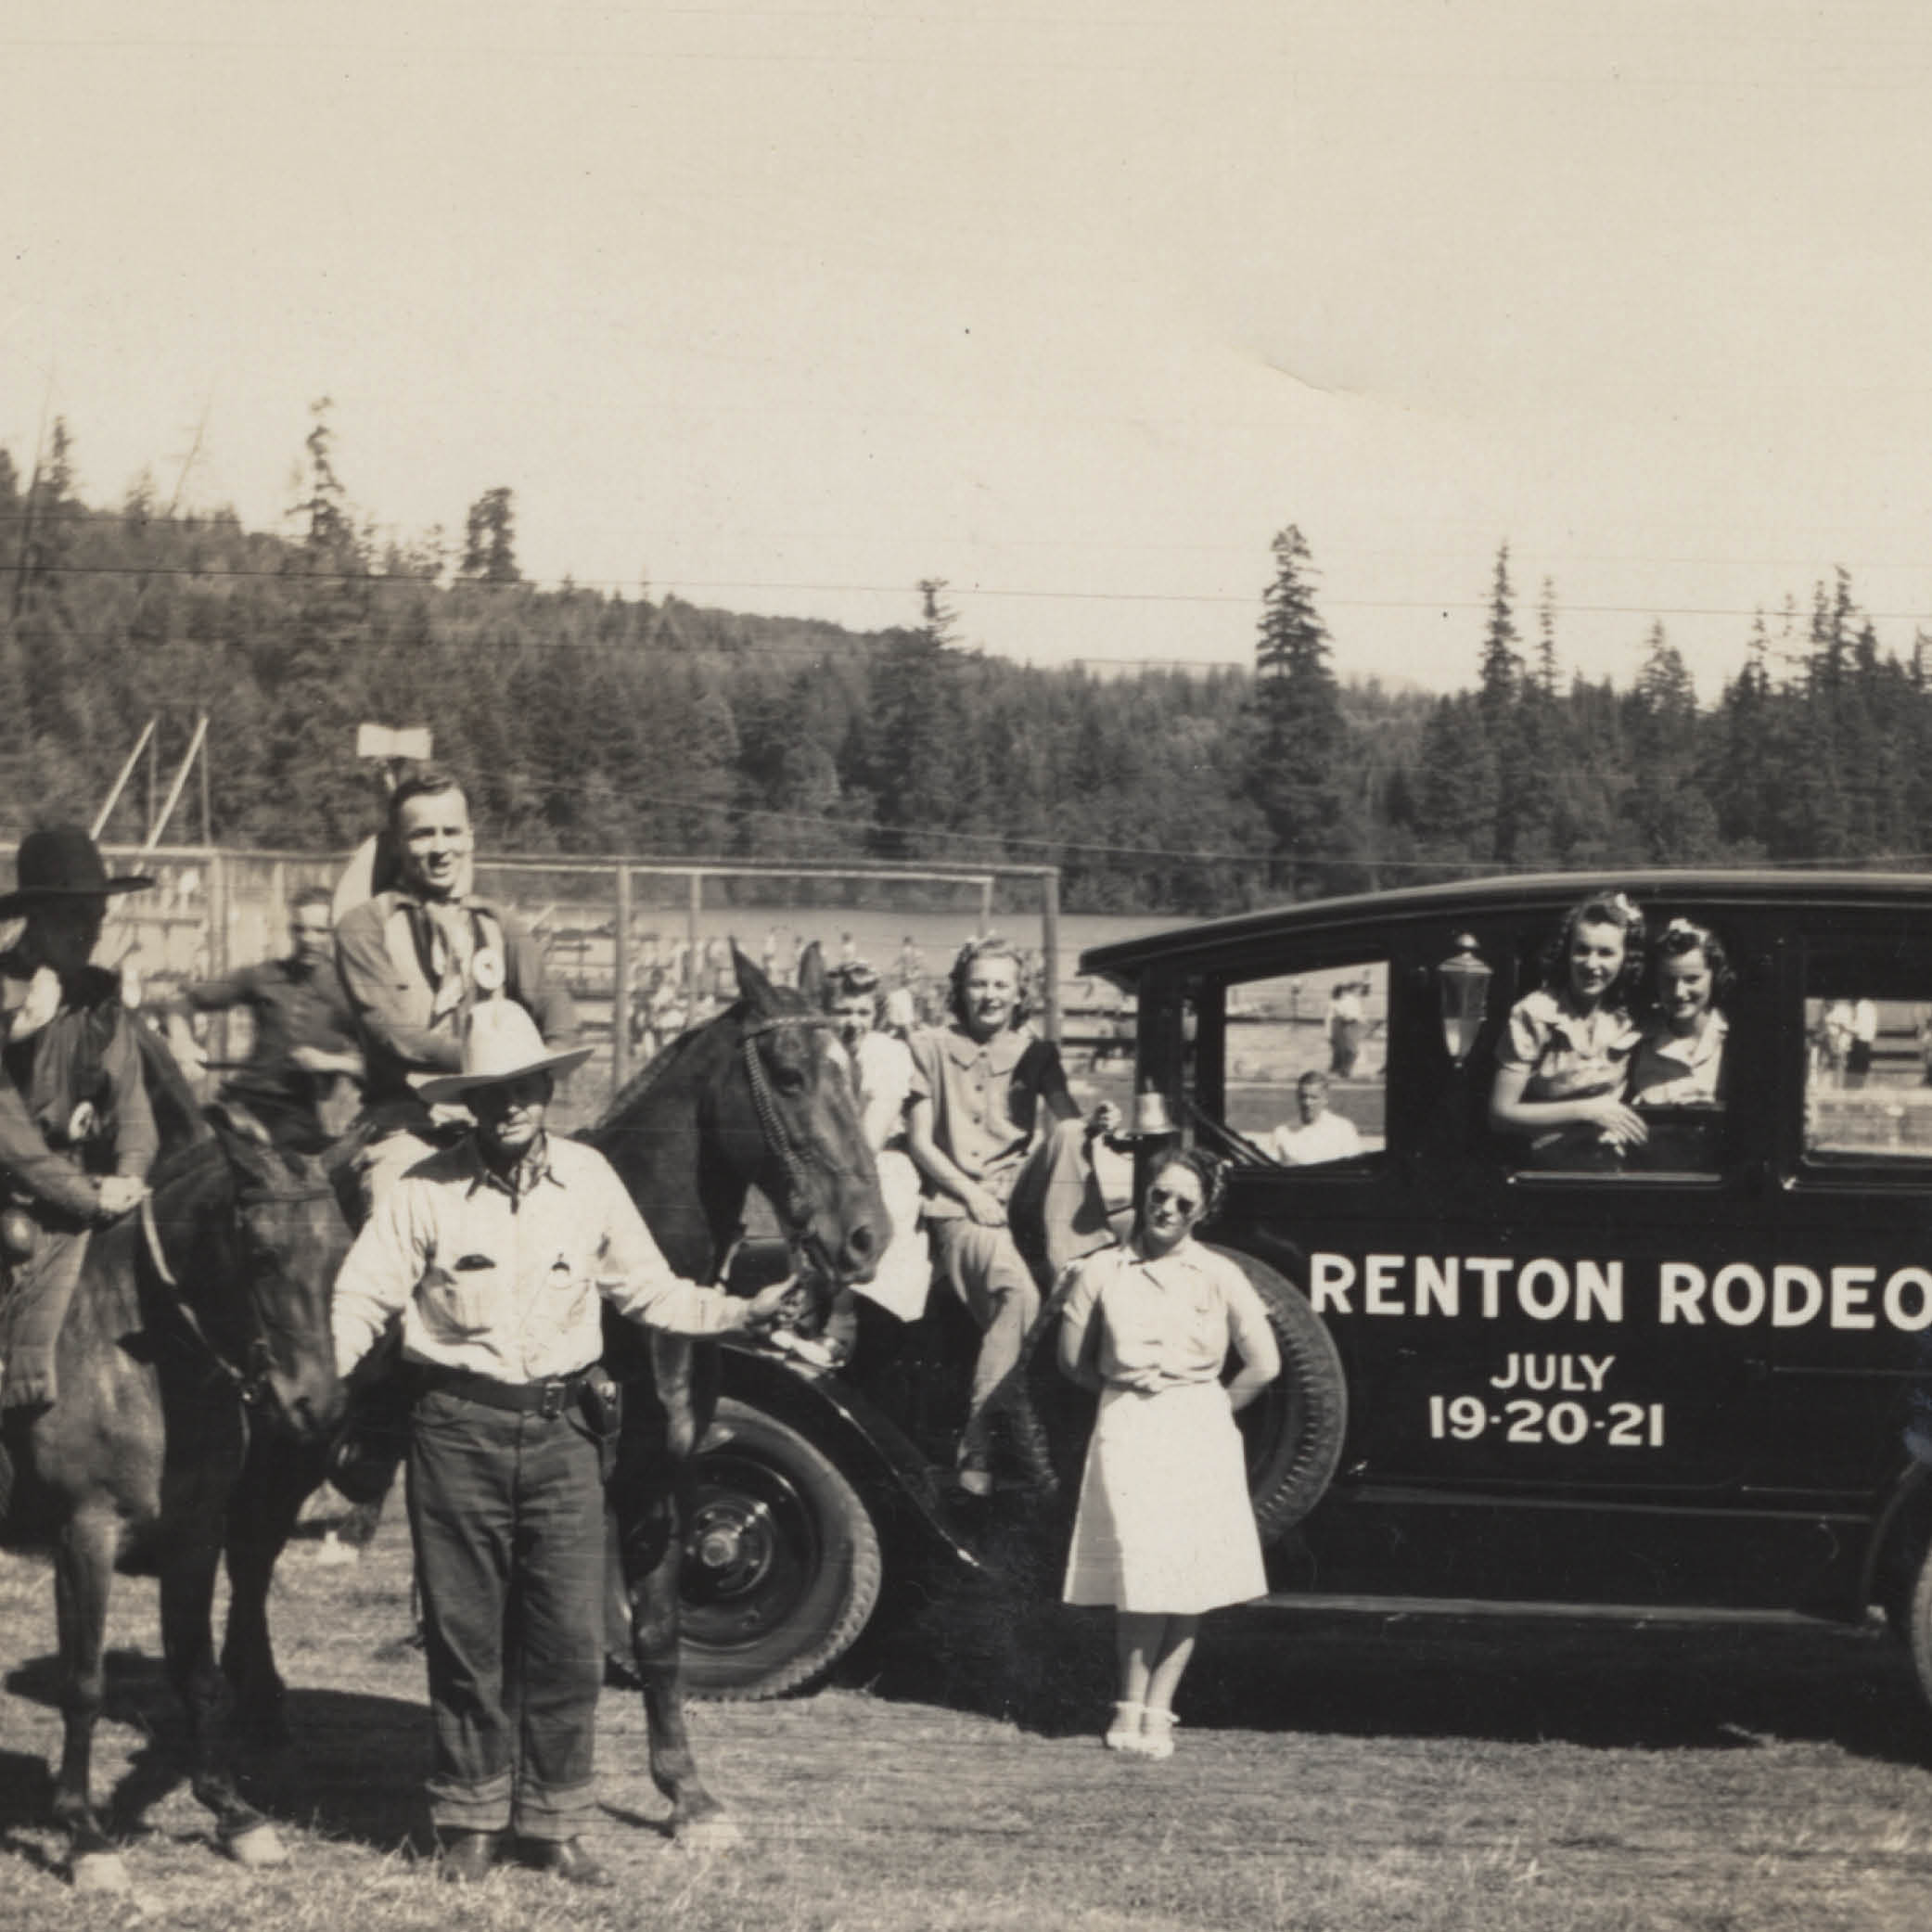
x=811, y=972
x=752, y=983
x=244, y=1144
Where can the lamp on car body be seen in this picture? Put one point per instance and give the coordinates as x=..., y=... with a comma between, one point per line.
x=1463, y=981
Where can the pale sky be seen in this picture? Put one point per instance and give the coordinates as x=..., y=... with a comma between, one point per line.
x=786, y=306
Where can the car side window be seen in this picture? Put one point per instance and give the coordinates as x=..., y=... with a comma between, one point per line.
x=1305, y=1063
x=1868, y=1078
x=1613, y=1062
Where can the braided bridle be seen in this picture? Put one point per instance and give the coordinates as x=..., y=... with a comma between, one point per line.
x=779, y=1137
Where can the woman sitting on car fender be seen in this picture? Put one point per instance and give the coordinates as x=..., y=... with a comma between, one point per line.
x=1562, y=1058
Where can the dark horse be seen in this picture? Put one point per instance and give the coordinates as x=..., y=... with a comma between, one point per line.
x=193, y=1319
x=758, y=1097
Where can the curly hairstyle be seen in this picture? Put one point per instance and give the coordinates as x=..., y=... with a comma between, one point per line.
x=1616, y=909
x=851, y=979
x=991, y=945
x=1678, y=940
x=1203, y=1166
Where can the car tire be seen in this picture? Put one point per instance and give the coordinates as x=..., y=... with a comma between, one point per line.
x=1915, y=1625
x=1294, y=1428
x=781, y=1563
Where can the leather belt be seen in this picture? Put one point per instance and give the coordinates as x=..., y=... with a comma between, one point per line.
x=547, y=1398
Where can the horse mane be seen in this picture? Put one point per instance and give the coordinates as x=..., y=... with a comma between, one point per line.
x=672, y=1054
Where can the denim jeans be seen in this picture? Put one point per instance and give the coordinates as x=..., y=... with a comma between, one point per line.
x=507, y=1513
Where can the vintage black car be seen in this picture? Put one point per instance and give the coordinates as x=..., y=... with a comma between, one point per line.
x=1682, y=1377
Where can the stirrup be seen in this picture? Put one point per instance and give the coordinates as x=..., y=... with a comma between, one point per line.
x=1124, y=1733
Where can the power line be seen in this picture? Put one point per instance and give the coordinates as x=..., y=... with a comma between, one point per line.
x=378, y=580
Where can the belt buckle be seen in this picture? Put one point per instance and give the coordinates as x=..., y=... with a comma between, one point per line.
x=554, y=1392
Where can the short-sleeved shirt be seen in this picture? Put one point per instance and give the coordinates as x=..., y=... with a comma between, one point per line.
x=1568, y=1055
x=506, y=1282
x=1669, y=1071
x=986, y=1097
x=292, y=1005
x=1167, y=1323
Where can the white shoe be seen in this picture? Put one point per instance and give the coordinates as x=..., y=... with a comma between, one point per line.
x=1157, y=1738
x=1124, y=1733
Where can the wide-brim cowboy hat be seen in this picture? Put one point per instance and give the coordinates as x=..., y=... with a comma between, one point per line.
x=62, y=861
x=500, y=1043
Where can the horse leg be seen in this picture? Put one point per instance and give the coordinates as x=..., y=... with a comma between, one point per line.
x=275, y=1482
x=187, y=1610
x=650, y=1548
x=84, y=1573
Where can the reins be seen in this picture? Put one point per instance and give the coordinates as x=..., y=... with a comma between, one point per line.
x=779, y=1140
x=249, y=1384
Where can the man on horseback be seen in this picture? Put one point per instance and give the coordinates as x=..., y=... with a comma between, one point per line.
x=305, y=1039
x=413, y=960
x=498, y=1253
x=77, y=1133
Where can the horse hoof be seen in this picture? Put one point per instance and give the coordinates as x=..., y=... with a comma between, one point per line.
x=718, y=1831
x=258, y=1847
x=98, y=1872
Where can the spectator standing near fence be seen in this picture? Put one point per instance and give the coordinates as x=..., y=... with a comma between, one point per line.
x=1345, y=1022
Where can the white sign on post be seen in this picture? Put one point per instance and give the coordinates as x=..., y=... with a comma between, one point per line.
x=393, y=741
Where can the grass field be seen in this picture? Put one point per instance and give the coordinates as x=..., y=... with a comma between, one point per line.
x=1333, y=1774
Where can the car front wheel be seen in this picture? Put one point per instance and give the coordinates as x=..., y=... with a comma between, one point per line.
x=782, y=1562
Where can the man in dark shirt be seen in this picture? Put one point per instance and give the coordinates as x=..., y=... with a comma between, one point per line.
x=77, y=1133
x=305, y=1040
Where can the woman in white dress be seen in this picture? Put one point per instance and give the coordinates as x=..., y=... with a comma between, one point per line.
x=1165, y=1529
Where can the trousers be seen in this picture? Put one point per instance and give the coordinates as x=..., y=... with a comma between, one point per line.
x=1055, y=1214
x=507, y=1511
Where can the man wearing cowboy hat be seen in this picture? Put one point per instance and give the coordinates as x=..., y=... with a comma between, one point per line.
x=77, y=1134
x=414, y=958
x=498, y=1254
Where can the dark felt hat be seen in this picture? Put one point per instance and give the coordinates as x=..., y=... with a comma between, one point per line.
x=62, y=861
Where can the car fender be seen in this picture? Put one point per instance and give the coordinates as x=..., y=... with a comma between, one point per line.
x=888, y=1471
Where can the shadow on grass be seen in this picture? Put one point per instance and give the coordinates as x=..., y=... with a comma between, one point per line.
x=354, y=1769
x=1004, y=1646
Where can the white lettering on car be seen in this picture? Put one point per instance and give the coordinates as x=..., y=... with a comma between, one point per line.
x=1330, y=1278
x=1851, y=1291
x=1786, y=1312
x=1680, y=1288
x=1380, y=1285
x=1546, y=1289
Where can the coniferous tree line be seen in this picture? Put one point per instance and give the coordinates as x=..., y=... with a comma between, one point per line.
x=589, y=722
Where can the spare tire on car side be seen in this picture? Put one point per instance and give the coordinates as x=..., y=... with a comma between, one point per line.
x=1294, y=1428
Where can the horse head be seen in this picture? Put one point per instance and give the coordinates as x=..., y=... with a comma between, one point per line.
x=790, y=1124
x=276, y=1250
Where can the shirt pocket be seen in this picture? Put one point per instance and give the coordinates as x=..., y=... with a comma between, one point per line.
x=457, y=1306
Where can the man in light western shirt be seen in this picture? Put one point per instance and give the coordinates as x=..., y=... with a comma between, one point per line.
x=498, y=1255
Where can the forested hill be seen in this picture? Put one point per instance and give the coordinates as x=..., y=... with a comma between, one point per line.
x=589, y=722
